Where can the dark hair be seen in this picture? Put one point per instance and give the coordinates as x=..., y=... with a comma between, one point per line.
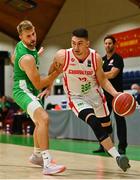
x=80, y=32
x=110, y=37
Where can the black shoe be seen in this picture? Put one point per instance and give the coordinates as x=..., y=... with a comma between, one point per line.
x=123, y=162
x=121, y=151
x=100, y=150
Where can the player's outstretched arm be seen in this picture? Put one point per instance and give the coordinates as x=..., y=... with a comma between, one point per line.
x=28, y=65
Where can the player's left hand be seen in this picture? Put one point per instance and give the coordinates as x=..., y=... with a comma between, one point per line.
x=41, y=51
x=45, y=93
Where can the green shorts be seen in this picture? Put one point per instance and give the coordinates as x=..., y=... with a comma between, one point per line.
x=26, y=100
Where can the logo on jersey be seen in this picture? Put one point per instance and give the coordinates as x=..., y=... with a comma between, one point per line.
x=88, y=63
x=80, y=104
x=111, y=62
x=72, y=62
x=72, y=59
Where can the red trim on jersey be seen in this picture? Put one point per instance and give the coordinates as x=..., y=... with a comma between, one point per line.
x=93, y=57
x=71, y=104
x=82, y=58
x=67, y=59
x=94, y=63
x=103, y=100
x=66, y=84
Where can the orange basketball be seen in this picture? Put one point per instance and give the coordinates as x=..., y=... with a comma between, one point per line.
x=124, y=104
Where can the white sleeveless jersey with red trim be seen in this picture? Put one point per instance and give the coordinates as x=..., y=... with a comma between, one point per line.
x=80, y=77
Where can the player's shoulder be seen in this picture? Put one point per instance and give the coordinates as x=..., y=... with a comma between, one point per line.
x=60, y=53
x=19, y=43
x=60, y=56
x=92, y=50
x=28, y=57
x=98, y=56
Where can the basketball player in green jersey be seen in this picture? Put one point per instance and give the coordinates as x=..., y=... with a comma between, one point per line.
x=27, y=83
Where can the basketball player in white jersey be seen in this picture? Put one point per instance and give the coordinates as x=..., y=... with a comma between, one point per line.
x=83, y=78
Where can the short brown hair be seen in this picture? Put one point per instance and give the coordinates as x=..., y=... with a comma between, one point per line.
x=24, y=25
x=110, y=37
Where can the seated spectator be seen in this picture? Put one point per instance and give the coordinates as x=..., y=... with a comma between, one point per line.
x=4, y=107
x=57, y=107
x=136, y=92
x=50, y=106
x=20, y=122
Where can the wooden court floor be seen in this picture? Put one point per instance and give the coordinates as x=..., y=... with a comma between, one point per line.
x=14, y=165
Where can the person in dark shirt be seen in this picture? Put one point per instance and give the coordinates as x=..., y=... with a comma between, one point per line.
x=136, y=92
x=113, y=67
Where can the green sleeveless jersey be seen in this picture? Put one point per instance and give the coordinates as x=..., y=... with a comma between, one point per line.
x=19, y=74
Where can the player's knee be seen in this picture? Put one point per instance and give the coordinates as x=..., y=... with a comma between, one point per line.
x=108, y=129
x=46, y=122
x=106, y=124
x=43, y=119
x=99, y=131
x=85, y=113
x=88, y=116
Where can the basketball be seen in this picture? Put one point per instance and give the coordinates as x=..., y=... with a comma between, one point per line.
x=124, y=104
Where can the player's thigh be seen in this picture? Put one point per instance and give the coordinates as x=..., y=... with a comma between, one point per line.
x=77, y=105
x=40, y=116
x=101, y=110
x=28, y=102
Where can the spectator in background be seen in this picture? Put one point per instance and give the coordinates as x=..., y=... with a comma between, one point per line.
x=50, y=106
x=136, y=92
x=4, y=106
x=113, y=67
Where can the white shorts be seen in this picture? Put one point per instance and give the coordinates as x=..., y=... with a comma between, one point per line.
x=32, y=107
x=79, y=104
